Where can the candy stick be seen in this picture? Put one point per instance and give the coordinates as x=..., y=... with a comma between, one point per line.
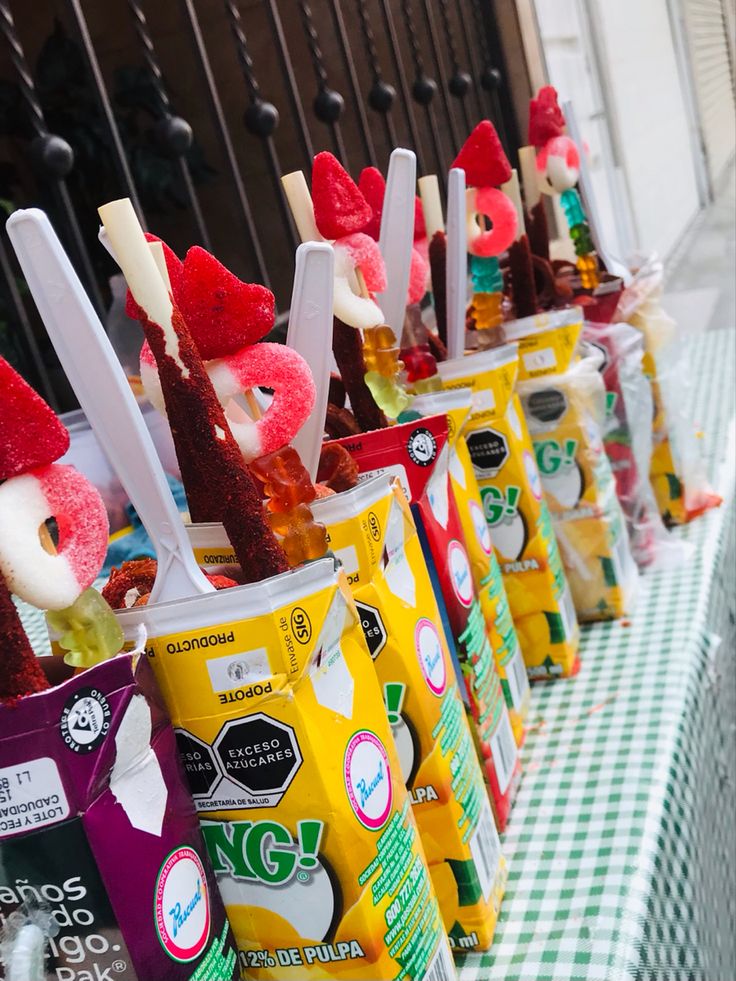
x=457, y=264
x=520, y=258
x=209, y=457
x=300, y=202
x=21, y=672
x=310, y=333
x=429, y=192
x=94, y=372
x=397, y=235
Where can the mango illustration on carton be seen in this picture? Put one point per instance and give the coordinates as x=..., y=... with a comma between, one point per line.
x=291, y=762
x=372, y=531
x=513, y=504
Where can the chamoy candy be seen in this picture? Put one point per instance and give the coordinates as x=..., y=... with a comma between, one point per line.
x=485, y=164
x=558, y=161
x=337, y=469
x=339, y=206
x=373, y=186
x=348, y=350
x=131, y=584
x=31, y=435
x=88, y=630
x=438, y=272
x=20, y=671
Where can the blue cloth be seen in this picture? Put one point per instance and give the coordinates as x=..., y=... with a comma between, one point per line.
x=136, y=544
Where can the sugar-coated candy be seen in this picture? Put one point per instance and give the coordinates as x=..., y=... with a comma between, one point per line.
x=348, y=306
x=545, y=117
x=20, y=670
x=88, y=630
x=482, y=158
x=273, y=366
x=30, y=434
x=222, y=313
x=381, y=351
x=127, y=584
x=389, y=396
x=418, y=277
x=366, y=255
x=559, y=161
x=174, y=268
x=501, y=211
x=302, y=538
x=373, y=187
x=337, y=468
x=47, y=581
x=339, y=206
x=285, y=479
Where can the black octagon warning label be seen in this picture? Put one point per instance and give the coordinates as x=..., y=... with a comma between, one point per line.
x=489, y=451
x=259, y=755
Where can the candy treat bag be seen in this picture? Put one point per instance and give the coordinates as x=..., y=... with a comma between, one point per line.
x=677, y=471
x=372, y=531
x=627, y=437
x=502, y=455
x=284, y=737
x=416, y=453
x=564, y=402
x=483, y=562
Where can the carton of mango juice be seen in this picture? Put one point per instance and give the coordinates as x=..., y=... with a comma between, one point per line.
x=483, y=563
x=564, y=401
x=416, y=453
x=290, y=759
x=372, y=531
x=513, y=504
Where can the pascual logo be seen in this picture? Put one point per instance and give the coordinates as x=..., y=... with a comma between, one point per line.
x=301, y=625
x=85, y=720
x=482, y=532
x=374, y=526
x=182, y=906
x=422, y=446
x=459, y=567
x=368, y=779
x=430, y=655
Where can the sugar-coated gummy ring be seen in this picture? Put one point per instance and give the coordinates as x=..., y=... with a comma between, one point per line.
x=273, y=366
x=501, y=211
x=51, y=582
x=558, y=163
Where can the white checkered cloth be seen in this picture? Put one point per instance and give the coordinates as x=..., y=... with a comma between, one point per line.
x=621, y=845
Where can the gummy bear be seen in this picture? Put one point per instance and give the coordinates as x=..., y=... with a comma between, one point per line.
x=88, y=629
x=303, y=539
x=419, y=363
x=389, y=396
x=285, y=480
x=381, y=351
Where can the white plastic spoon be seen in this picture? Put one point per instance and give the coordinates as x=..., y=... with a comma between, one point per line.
x=457, y=264
x=397, y=236
x=97, y=378
x=310, y=333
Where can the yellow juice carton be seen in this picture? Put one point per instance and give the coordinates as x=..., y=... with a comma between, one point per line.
x=372, y=531
x=502, y=455
x=564, y=401
x=284, y=739
x=483, y=563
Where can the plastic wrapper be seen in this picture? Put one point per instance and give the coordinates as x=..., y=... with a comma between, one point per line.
x=417, y=453
x=627, y=437
x=677, y=469
x=564, y=402
x=514, y=507
x=290, y=759
x=483, y=562
x=103, y=870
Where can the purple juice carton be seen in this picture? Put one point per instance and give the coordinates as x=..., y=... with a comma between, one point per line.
x=99, y=839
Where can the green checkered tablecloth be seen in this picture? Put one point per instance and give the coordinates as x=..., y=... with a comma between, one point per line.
x=622, y=842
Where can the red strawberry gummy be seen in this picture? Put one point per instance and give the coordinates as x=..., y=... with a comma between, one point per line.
x=420, y=229
x=30, y=434
x=482, y=158
x=223, y=313
x=545, y=117
x=373, y=187
x=339, y=205
x=174, y=269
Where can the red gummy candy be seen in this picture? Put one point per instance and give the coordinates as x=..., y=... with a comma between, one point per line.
x=174, y=268
x=482, y=158
x=367, y=256
x=339, y=206
x=418, y=276
x=373, y=188
x=420, y=229
x=419, y=362
x=30, y=434
x=545, y=117
x=223, y=313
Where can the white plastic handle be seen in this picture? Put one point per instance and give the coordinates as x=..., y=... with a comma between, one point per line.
x=457, y=264
x=97, y=378
x=310, y=333
x=397, y=236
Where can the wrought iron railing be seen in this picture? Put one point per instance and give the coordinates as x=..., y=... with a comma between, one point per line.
x=355, y=76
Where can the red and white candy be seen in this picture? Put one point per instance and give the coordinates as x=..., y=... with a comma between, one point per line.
x=27, y=501
x=500, y=211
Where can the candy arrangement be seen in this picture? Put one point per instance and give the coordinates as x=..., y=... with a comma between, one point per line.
x=337, y=639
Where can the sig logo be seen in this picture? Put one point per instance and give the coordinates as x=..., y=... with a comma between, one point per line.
x=374, y=526
x=301, y=625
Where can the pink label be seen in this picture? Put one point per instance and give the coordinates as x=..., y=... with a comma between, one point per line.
x=181, y=905
x=368, y=779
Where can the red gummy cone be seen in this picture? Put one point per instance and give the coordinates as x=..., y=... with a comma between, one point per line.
x=339, y=205
x=482, y=158
x=373, y=188
x=545, y=117
x=30, y=434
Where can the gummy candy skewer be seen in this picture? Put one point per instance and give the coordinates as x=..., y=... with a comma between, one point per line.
x=223, y=489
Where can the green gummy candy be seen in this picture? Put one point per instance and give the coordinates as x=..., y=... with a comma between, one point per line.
x=390, y=398
x=88, y=630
